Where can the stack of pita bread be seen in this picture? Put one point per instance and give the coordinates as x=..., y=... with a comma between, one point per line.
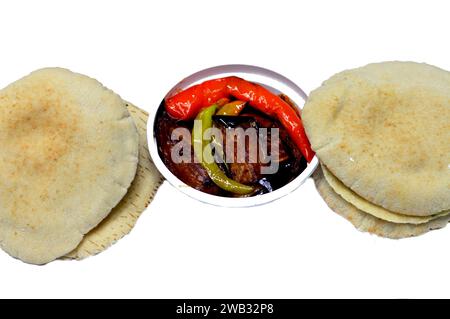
x=75, y=168
x=382, y=135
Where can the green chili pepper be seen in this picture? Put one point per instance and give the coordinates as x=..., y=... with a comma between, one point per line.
x=203, y=151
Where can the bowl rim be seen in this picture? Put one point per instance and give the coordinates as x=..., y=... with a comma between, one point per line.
x=256, y=74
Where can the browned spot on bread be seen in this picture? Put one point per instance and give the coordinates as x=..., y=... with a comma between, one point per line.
x=39, y=130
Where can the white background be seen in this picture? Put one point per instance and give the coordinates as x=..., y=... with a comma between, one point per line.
x=295, y=247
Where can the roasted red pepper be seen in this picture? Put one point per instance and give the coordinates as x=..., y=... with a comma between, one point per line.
x=186, y=105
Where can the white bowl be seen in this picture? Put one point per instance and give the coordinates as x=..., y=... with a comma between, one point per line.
x=272, y=80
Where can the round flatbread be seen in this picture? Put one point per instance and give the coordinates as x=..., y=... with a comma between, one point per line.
x=69, y=154
x=370, y=208
x=124, y=216
x=368, y=223
x=384, y=130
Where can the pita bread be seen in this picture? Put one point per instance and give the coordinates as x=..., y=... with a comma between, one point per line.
x=124, y=216
x=368, y=223
x=348, y=195
x=383, y=130
x=69, y=154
